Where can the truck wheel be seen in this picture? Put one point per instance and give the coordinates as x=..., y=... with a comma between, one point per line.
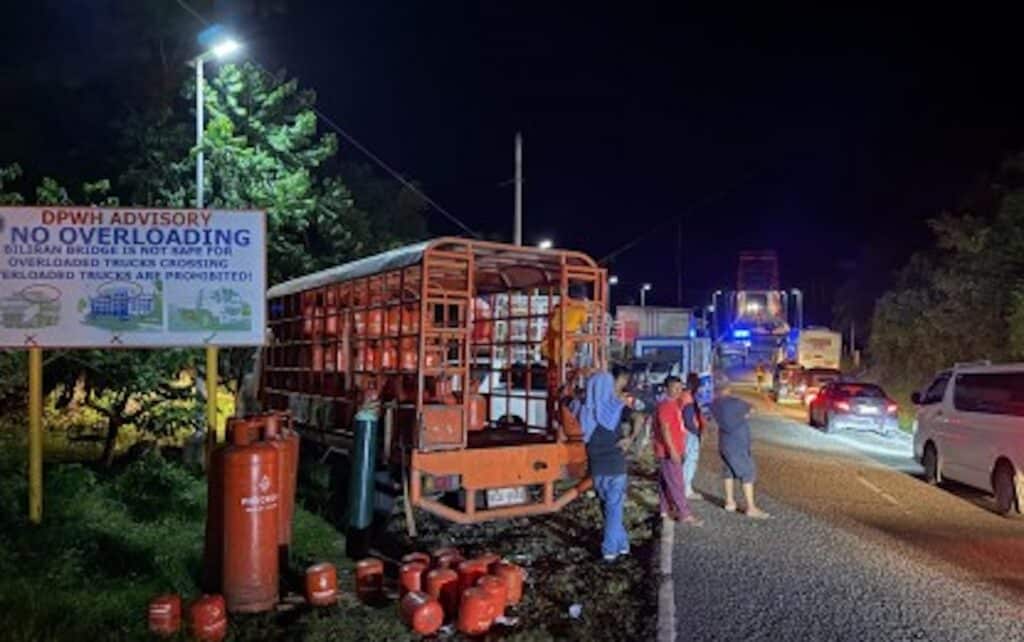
x=1002, y=484
x=810, y=418
x=830, y=424
x=930, y=462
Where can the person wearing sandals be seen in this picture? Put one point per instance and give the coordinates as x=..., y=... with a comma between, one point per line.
x=670, y=450
x=730, y=413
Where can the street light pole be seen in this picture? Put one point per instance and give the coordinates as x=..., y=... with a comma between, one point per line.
x=225, y=47
x=643, y=294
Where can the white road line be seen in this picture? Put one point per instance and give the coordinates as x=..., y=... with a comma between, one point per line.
x=666, y=585
x=881, y=493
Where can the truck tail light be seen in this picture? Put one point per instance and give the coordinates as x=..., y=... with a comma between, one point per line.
x=842, y=405
x=891, y=408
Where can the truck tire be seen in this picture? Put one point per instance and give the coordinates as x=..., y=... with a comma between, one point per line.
x=830, y=425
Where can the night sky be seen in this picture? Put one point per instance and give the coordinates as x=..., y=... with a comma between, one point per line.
x=821, y=135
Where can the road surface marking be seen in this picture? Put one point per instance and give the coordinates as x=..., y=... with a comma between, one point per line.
x=881, y=493
x=666, y=586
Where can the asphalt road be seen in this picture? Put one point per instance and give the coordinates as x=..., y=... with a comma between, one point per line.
x=858, y=548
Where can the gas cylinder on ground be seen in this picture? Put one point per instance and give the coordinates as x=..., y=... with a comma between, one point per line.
x=208, y=619
x=422, y=613
x=251, y=504
x=470, y=571
x=476, y=612
x=513, y=576
x=286, y=442
x=164, y=614
x=213, y=548
x=443, y=586
x=322, y=584
x=488, y=559
x=389, y=356
x=417, y=556
x=369, y=579
x=410, y=577
x=450, y=559
x=444, y=550
x=497, y=592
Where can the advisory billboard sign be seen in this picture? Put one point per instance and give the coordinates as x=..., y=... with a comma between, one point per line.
x=85, y=277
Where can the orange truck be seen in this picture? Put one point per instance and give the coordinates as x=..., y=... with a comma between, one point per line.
x=468, y=351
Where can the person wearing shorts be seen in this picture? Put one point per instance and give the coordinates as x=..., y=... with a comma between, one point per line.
x=731, y=414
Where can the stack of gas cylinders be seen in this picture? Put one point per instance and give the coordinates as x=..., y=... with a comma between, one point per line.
x=472, y=594
x=251, y=502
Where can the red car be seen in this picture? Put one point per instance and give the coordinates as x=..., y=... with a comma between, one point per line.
x=859, y=406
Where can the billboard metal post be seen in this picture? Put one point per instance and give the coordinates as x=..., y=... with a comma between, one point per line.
x=35, y=435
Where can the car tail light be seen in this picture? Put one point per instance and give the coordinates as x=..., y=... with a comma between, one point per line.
x=891, y=408
x=842, y=405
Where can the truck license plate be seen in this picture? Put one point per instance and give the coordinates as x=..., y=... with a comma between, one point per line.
x=511, y=496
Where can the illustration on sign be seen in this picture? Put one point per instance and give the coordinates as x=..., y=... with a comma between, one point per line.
x=125, y=307
x=219, y=309
x=93, y=277
x=36, y=306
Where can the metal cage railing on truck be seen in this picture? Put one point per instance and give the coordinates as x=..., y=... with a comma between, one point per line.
x=474, y=350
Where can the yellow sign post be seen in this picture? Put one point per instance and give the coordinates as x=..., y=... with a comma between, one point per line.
x=35, y=435
x=215, y=434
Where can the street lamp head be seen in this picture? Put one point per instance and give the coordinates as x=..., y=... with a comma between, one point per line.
x=225, y=47
x=546, y=244
x=646, y=287
x=613, y=280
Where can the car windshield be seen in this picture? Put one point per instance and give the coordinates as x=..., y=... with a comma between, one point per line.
x=859, y=390
x=661, y=368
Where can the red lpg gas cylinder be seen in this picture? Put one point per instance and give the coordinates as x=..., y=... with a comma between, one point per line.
x=421, y=613
x=369, y=579
x=497, y=592
x=476, y=612
x=389, y=356
x=410, y=577
x=251, y=504
x=164, y=614
x=443, y=586
x=213, y=548
x=482, y=324
x=513, y=576
x=408, y=355
x=208, y=619
x=470, y=571
x=394, y=325
x=277, y=432
x=450, y=560
x=322, y=584
x=444, y=550
x=488, y=559
x=417, y=556
x=477, y=412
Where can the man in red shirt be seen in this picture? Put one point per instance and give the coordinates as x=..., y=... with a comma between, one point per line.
x=669, y=448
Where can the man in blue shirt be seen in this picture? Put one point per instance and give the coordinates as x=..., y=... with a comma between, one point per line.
x=731, y=414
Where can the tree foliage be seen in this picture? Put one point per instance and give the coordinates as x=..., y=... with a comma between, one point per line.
x=963, y=299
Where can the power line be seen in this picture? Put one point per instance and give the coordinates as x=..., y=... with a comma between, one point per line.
x=362, y=148
x=678, y=218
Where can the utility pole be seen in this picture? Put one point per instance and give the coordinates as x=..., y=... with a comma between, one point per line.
x=518, y=221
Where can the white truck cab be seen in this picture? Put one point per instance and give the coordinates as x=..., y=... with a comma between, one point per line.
x=970, y=428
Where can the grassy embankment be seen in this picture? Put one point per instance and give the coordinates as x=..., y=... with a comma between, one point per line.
x=112, y=539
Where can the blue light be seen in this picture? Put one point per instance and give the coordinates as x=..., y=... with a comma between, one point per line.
x=740, y=334
x=693, y=333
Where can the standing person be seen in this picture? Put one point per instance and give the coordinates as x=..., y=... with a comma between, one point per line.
x=600, y=416
x=731, y=414
x=669, y=448
x=693, y=421
x=759, y=372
